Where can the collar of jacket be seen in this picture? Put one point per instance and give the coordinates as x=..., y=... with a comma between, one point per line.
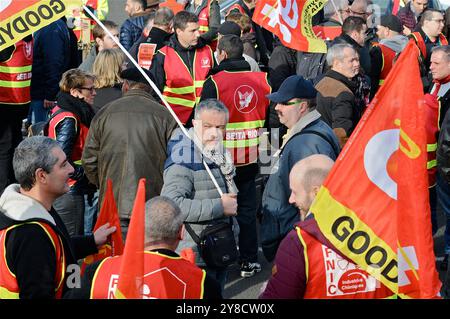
x=301, y=124
x=176, y=45
x=157, y=33
x=342, y=78
x=19, y=207
x=77, y=106
x=237, y=64
x=139, y=92
x=346, y=38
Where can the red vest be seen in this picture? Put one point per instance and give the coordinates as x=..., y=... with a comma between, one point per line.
x=203, y=22
x=165, y=278
x=9, y=289
x=432, y=129
x=421, y=42
x=244, y=94
x=82, y=132
x=331, y=276
x=15, y=75
x=183, y=90
x=388, y=56
x=327, y=32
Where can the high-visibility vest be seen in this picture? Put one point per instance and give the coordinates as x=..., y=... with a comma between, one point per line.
x=432, y=128
x=244, y=94
x=9, y=288
x=328, y=275
x=327, y=32
x=102, y=8
x=15, y=75
x=182, y=89
x=421, y=42
x=165, y=277
x=82, y=132
x=203, y=22
x=387, y=56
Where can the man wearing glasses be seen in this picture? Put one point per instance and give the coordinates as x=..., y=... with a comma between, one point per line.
x=429, y=35
x=307, y=134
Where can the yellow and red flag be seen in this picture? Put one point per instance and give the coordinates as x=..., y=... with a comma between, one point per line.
x=19, y=18
x=108, y=214
x=374, y=205
x=131, y=273
x=291, y=21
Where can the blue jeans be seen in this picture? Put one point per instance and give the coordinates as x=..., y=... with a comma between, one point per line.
x=246, y=217
x=37, y=112
x=443, y=196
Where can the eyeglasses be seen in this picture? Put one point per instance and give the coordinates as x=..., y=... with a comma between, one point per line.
x=91, y=89
x=439, y=20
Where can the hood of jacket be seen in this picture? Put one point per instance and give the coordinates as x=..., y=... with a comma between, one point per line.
x=16, y=207
x=237, y=64
x=396, y=43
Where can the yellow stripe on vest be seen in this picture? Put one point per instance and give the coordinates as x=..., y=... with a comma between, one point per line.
x=431, y=164
x=305, y=252
x=182, y=90
x=15, y=84
x=15, y=69
x=246, y=125
x=180, y=101
x=6, y=294
x=241, y=143
x=431, y=147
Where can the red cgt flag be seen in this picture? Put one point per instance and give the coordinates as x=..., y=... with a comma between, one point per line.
x=374, y=205
x=131, y=273
x=108, y=214
x=291, y=21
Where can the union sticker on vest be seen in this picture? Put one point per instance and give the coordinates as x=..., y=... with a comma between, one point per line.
x=344, y=277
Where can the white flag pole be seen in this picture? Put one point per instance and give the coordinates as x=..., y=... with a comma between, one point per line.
x=155, y=88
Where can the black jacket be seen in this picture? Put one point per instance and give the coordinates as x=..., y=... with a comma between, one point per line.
x=106, y=95
x=31, y=256
x=247, y=172
x=156, y=36
x=186, y=54
x=131, y=30
x=443, y=151
x=364, y=57
x=211, y=287
x=67, y=134
x=214, y=17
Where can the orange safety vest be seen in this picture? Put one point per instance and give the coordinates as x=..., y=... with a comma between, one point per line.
x=203, y=22
x=421, y=42
x=165, y=277
x=328, y=275
x=9, y=288
x=15, y=75
x=327, y=32
x=182, y=89
x=244, y=94
x=387, y=56
x=82, y=132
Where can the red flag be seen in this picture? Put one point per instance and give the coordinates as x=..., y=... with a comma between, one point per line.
x=108, y=214
x=374, y=205
x=291, y=21
x=132, y=267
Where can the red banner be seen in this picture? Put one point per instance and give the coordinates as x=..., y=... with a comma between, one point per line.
x=291, y=21
x=374, y=205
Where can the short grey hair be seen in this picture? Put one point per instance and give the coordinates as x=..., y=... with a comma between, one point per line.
x=329, y=10
x=211, y=105
x=164, y=17
x=163, y=219
x=442, y=48
x=336, y=52
x=31, y=154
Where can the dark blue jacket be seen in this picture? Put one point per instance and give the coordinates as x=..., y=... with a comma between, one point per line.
x=51, y=58
x=278, y=215
x=131, y=30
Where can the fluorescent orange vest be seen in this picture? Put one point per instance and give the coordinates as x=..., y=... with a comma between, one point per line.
x=244, y=94
x=165, y=278
x=331, y=276
x=82, y=132
x=327, y=32
x=388, y=56
x=182, y=89
x=15, y=75
x=9, y=289
x=203, y=22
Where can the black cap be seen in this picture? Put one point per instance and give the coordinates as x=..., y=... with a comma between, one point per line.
x=133, y=74
x=392, y=22
x=229, y=27
x=294, y=86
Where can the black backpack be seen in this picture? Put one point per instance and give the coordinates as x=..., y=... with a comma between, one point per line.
x=311, y=65
x=41, y=128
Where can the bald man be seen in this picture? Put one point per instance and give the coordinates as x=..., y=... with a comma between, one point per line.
x=322, y=273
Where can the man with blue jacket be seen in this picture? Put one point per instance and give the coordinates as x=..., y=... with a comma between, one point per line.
x=307, y=134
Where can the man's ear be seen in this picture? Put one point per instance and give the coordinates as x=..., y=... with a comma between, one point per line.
x=315, y=189
x=41, y=176
x=181, y=232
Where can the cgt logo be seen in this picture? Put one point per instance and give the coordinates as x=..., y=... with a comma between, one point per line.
x=245, y=99
x=4, y=4
x=205, y=63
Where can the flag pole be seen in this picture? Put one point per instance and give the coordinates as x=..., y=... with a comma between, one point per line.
x=155, y=88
